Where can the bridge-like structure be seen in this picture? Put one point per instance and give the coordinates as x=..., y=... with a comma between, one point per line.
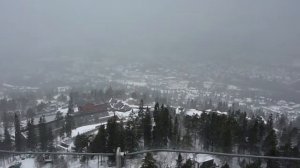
x=119, y=155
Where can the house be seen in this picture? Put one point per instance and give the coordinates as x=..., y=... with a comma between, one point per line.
x=118, y=105
x=203, y=161
x=93, y=108
x=206, y=164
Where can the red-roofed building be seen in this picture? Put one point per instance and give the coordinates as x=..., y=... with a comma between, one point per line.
x=94, y=108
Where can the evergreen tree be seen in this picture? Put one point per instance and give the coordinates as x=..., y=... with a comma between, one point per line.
x=7, y=143
x=100, y=142
x=170, y=132
x=50, y=139
x=216, y=130
x=186, y=141
x=58, y=116
x=272, y=163
x=155, y=112
x=132, y=139
x=270, y=142
x=69, y=124
x=30, y=113
x=176, y=133
x=160, y=130
x=1, y=146
x=141, y=109
x=109, y=93
x=81, y=141
x=149, y=161
x=140, y=120
x=282, y=121
x=225, y=165
x=62, y=130
x=253, y=136
x=71, y=104
x=31, y=136
x=121, y=135
x=188, y=164
x=179, y=161
x=242, y=131
x=261, y=129
x=147, y=123
x=164, y=125
x=294, y=153
x=205, y=130
x=227, y=137
x=269, y=126
x=4, y=116
x=193, y=127
x=270, y=145
x=18, y=136
x=43, y=133
x=285, y=136
x=115, y=136
x=112, y=134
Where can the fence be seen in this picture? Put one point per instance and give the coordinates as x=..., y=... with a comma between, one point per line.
x=55, y=159
x=100, y=159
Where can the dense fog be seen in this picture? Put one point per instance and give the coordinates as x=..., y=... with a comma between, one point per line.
x=95, y=77
x=33, y=31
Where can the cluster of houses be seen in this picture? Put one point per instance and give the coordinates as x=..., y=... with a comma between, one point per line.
x=87, y=113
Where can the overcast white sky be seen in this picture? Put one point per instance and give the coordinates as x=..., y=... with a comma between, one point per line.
x=148, y=28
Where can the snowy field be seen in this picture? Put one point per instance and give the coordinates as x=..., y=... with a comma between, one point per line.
x=85, y=129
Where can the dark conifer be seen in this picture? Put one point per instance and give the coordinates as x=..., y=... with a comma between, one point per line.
x=18, y=136
x=100, y=142
x=43, y=133
x=31, y=136
x=149, y=161
x=147, y=129
x=7, y=143
x=225, y=165
x=50, y=139
x=179, y=161
x=69, y=124
x=188, y=164
x=81, y=142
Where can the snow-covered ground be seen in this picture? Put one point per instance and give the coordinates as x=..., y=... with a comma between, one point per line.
x=28, y=163
x=168, y=159
x=123, y=115
x=192, y=112
x=84, y=129
x=163, y=159
x=68, y=161
x=64, y=111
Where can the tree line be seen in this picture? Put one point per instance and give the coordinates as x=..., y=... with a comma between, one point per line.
x=234, y=132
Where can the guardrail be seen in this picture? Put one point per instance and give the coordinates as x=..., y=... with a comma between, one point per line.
x=56, y=153
x=8, y=157
x=120, y=154
x=215, y=154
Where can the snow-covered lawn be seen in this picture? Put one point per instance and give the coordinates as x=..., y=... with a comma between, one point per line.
x=70, y=162
x=192, y=112
x=84, y=129
x=28, y=163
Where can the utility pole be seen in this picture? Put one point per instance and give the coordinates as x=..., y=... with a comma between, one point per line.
x=118, y=158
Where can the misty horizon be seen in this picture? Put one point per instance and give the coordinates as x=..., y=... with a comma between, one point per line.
x=172, y=30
